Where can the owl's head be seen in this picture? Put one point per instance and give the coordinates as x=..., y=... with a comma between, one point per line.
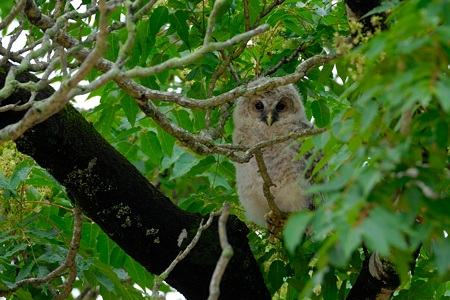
x=277, y=107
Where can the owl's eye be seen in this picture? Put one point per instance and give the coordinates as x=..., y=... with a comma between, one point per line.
x=259, y=106
x=280, y=107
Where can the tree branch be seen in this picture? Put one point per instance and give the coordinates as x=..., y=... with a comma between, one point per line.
x=225, y=256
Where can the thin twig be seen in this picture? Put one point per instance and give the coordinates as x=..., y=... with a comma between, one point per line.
x=286, y=60
x=163, y=276
x=267, y=185
x=227, y=253
x=195, y=55
x=44, y=109
x=212, y=21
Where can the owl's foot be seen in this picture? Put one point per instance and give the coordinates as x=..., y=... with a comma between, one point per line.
x=275, y=224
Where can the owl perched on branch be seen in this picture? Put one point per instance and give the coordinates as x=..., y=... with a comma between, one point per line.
x=261, y=118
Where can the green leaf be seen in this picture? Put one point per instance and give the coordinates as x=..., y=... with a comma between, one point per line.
x=183, y=119
x=89, y=235
x=23, y=295
x=105, y=247
x=15, y=249
x=197, y=91
x=382, y=230
x=183, y=165
x=325, y=73
x=350, y=240
x=117, y=257
x=128, y=149
x=442, y=133
x=202, y=166
x=443, y=92
x=150, y=147
x=129, y=107
x=20, y=173
x=139, y=274
x=30, y=219
x=295, y=229
x=293, y=25
x=25, y=271
x=104, y=280
x=441, y=249
x=166, y=141
x=277, y=272
x=254, y=9
x=107, y=117
x=321, y=113
x=179, y=21
x=329, y=286
x=159, y=17
x=5, y=8
x=368, y=115
x=51, y=258
x=40, y=177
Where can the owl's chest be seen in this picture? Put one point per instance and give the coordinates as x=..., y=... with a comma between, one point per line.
x=281, y=163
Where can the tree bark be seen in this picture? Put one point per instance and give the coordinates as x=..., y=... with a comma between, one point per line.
x=356, y=9
x=131, y=211
x=369, y=287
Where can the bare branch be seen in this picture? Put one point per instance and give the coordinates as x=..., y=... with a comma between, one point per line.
x=301, y=71
x=267, y=11
x=194, y=56
x=163, y=276
x=212, y=21
x=16, y=106
x=44, y=109
x=227, y=253
x=267, y=185
x=246, y=15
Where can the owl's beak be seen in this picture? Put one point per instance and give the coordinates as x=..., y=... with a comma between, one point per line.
x=269, y=119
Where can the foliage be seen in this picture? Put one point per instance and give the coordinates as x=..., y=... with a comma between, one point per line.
x=386, y=109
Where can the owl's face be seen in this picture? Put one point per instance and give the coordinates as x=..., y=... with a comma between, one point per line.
x=262, y=117
x=272, y=111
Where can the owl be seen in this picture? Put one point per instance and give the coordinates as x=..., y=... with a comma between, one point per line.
x=265, y=117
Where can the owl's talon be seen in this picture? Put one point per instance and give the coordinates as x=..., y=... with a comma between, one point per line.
x=275, y=224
